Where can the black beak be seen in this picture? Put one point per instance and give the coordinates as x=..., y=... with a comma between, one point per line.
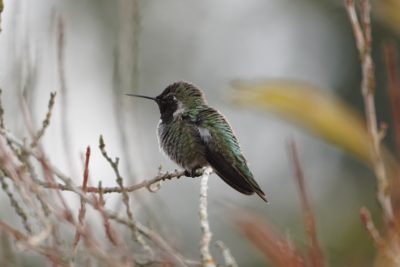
x=143, y=96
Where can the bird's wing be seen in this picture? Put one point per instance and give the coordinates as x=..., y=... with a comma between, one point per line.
x=223, y=153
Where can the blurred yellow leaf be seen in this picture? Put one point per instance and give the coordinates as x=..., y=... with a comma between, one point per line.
x=311, y=108
x=389, y=12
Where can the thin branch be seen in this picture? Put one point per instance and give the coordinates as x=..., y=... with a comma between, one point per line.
x=366, y=219
x=61, y=41
x=364, y=40
x=82, y=209
x=226, y=254
x=206, y=256
x=316, y=256
x=132, y=225
x=1, y=108
x=119, y=179
x=111, y=235
x=49, y=252
x=46, y=121
x=8, y=255
x=14, y=203
x=148, y=184
x=279, y=250
x=1, y=10
x=393, y=89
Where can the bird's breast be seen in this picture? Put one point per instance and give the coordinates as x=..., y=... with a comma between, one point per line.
x=182, y=143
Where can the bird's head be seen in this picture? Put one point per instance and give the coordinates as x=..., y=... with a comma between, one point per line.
x=177, y=98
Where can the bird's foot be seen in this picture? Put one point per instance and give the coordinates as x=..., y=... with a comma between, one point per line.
x=194, y=172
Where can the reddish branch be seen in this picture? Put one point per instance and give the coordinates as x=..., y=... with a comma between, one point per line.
x=110, y=233
x=366, y=219
x=82, y=210
x=69, y=185
x=393, y=89
x=278, y=250
x=315, y=253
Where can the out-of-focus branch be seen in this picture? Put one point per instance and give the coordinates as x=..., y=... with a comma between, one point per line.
x=111, y=235
x=132, y=225
x=315, y=253
x=126, y=77
x=206, y=256
x=46, y=121
x=60, y=34
x=393, y=89
x=82, y=210
x=366, y=219
x=49, y=252
x=119, y=179
x=226, y=254
x=116, y=189
x=279, y=250
x=1, y=110
x=363, y=40
x=14, y=203
x=1, y=11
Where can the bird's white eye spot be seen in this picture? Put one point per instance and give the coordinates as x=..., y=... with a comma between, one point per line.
x=174, y=98
x=179, y=109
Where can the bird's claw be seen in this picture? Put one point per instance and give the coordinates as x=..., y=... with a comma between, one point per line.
x=193, y=173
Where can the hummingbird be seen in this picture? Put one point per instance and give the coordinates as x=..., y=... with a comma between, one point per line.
x=195, y=135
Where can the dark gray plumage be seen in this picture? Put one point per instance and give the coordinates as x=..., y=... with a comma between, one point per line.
x=194, y=135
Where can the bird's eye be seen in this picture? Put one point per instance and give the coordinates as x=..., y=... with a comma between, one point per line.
x=174, y=98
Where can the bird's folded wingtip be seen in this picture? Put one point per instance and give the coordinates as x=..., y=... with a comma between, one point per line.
x=262, y=195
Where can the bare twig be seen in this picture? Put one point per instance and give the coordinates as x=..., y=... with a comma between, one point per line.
x=206, y=256
x=14, y=203
x=366, y=219
x=111, y=235
x=277, y=249
x=1, y=108
x=316, y=256
x=226, y=254
x=106, y=222
x=147, y=232
x=82, y=210
x=393, y=89
x=49, y=252
x=126, y=77
x=125, y=197
x=64, y=93
x=1, y=11
x=363, y=40
x=119, y=179
x=107, y=190
x=46, y=121
x=8, y=257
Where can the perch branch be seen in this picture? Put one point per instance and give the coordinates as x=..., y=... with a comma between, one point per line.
x=116, y=189
x=206, y=256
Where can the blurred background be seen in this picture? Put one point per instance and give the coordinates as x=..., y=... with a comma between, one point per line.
x=109, y=48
